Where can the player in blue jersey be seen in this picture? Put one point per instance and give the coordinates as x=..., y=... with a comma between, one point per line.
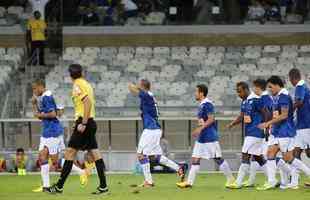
x=252, y=114
x=149, y=149
x=44, y=108
x=302, y=108
x=259, y=88
x=283, y=133
x=207, y=145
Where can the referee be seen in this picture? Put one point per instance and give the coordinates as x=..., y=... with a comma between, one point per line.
x=84, y=133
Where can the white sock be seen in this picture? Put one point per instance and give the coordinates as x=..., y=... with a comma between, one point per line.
x=243, y=170
x=45, y=168
x=298, y=164
x=147, y=172
x=224, y=167
x=294, y=176
x=169, y=163
x=272, y=169
x=192, y=174
x=77, y=169
x=253, y=168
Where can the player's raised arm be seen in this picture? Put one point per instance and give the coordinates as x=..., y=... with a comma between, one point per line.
x=133, y=88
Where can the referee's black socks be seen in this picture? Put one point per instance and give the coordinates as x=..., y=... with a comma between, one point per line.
x=64, y=173
x=100, y=170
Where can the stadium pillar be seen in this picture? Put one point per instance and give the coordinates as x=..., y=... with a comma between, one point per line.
x=189, y=134
x=110, y=134
x=3, y=135
x=30, y=134
x=137, y=133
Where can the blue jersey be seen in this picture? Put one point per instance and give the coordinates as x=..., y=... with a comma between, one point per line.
x=208, y=134
x=251, y=108
x=149, y=110
x=50, y=127
x=284, y=128
x=302, y=93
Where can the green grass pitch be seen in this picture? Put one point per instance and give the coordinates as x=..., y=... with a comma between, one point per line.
x=207, y=187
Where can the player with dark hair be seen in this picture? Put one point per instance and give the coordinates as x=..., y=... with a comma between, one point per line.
x=252, y=114
x=207, y=145
x=302, y=107
x=283, y=133
x=149, y=149
x=84, y=134
x=44, y=108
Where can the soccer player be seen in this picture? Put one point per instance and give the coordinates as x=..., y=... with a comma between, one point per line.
x=283, y=133
x=302, y=107
x=259, y=89
x=149, y=149
x=252, y=114
x=44, y=108
x=207, y=145
x=84, y=134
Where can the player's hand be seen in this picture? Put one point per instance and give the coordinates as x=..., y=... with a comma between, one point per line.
x=81, y=128
x=38, y=115
x=230, y=125
x=263, y=126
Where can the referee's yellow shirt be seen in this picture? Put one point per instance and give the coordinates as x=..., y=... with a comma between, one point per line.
x=37, y=29
x=82, y=89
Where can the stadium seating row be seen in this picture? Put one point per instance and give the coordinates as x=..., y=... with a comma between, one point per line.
x=174, y=71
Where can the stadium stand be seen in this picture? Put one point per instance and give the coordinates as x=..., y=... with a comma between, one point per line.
x=174, y=72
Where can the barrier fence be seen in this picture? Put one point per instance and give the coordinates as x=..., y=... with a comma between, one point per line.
x=119, y=134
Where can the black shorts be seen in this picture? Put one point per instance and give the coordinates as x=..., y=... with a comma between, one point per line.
x=87, y=139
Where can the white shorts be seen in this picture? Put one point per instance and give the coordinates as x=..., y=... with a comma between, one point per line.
x=253, y=145
x=302, y=139
x=149, y=143
x=285, y=144
x=53, y=144
x=207, y=150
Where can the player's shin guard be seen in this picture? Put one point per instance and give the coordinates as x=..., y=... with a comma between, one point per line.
x=225, y=168
x=243, y=170
x=64, y=173
x=100, y=171
x=45, y=168
x=272, y=169
x=192, y=173
x=167, y=162
x=145, y=163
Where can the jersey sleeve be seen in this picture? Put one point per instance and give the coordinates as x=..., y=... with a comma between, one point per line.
x=209, y=109
x=243, y=107
x=283, y=101
x=259, y=104
x=79, y=91
x=48, y=104
x=300, y=93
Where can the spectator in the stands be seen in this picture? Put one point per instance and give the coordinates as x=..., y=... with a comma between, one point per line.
x=2, y=164
x=130, y=9
x=20, y=162
x=256, y=11
x=90, y=16
x=36, y=33
x=39, y=5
